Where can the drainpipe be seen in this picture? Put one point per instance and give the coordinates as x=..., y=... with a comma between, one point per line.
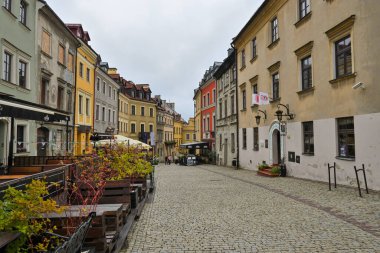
x=237, y=109
x=11, y=141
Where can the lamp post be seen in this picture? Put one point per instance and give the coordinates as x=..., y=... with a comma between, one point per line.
x=258, y=117
x=279, y=114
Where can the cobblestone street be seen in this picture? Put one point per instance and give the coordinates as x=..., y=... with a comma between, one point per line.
x=216, y=209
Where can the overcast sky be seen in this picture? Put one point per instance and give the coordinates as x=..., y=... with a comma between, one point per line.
x=168, y=44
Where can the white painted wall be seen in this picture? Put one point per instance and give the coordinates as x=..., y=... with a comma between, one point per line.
x=367, y=151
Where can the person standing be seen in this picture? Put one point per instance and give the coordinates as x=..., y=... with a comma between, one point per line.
x=170, y=159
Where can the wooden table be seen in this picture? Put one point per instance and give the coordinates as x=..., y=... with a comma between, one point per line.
x=4, y=178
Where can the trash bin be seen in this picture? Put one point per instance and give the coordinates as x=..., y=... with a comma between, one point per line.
x=234, y=162
x=283, y=170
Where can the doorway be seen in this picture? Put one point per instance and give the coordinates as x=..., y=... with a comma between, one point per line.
x=276, y=146
x=225, y=146
x=3, y=142
x=42, y=141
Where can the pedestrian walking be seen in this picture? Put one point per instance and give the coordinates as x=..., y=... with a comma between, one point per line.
x=170, y=159
x=166, y=160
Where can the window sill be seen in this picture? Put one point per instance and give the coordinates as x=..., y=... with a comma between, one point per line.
x=9, y=12
x=61, y=64
x=253, y=59
x=275, y=100
x=343, y=78
x=24, y=26
x=303, y=20
x=46, y=54
x=243, y=110
x=242, y=68
x=273, y=44
x=308, y=154
x=255, y=150
x=306, y=91
x=254, y=106
x=345, y=158
x=13, y=85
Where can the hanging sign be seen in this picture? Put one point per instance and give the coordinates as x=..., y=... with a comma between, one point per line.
x=264, y=98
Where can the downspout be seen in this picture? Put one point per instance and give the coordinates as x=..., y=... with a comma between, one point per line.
x=237, y=110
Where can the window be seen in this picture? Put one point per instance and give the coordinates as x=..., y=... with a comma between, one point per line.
x=243, y=58
x=150, y=128
x=220, y=110
x=44, y=92
x=232, y=104
x=208, y=124
x=142, y=111
x=254, y=89
x=22, y=74
x=343, y=59
x=81, y=69
x=103, y=113
x=98, y=84
x=8, y=4
x=7, y=67
x=133, y=110
x=23, y=7
x=232, y=142
x=346, y=137
x=109, y=115
x=97, y=112
x=21, y=140
x=133, y=128
x=69, y=101
x=87, y=106
x=256, y=139
x=104, y=88
x=244, y=100
x=61, y=54
x=220, y=142
x=109, y=90
x=194, y=136
x=274, y=30
x=151, y=112
x=88, y=74
x=254, y=48
x=213, y=96
x=80, y=104
x=308, y=137
x=60, y=98
x=126, y=108
x=113, y=117
x=142, y=128
x=304, y=8
x=306, y=73
x=46, y=42
x=276, y=86
x=70, y=62
x=208, y=99
x=225, y=108
x=244, y=138
x=114, y=94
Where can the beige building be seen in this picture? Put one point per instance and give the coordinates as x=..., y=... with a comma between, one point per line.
x=320, y=59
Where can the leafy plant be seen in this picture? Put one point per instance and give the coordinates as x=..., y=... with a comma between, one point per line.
x=23, y=211
x=262, y=166
x=275, y=170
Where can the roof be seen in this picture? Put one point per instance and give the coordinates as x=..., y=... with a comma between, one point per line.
x=227, y=63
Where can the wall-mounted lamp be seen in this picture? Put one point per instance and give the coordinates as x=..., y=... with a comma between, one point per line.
x=258, y=117
x=279, y=113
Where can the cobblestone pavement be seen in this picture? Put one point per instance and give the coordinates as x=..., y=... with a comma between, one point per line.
x=216, y=209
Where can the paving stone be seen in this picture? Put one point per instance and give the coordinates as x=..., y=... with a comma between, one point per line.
x=216, y=209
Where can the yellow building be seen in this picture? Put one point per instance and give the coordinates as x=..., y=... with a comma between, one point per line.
x=188, y=131
x=137, y=109
x=84, y=90
x=197, y=114
x=178, y=126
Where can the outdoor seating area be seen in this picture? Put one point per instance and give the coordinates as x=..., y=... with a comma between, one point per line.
x=109, y=187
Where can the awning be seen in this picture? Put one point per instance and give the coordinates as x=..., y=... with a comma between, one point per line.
x=26, y=111
x=195, y=145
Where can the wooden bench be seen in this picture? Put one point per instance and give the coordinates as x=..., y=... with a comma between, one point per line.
x=25, y=170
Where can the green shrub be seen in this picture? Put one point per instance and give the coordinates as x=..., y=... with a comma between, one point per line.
x=275, y=170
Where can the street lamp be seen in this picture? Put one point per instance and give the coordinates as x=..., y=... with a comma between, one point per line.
x=279, y=114
x=258, y=117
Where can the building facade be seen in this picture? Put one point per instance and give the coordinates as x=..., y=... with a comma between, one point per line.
x=317, y=61
x=86, y=61
x=197, y=114
x=226, y=113
x=106, y=101
x=208, y=104
x=188, y=131
x=57, y=48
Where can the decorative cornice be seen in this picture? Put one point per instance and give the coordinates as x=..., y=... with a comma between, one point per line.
x=304, y=49
x=274, y=67
x=341, y=28
x=254, y=79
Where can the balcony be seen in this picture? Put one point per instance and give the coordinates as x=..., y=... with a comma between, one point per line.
x=222, y=122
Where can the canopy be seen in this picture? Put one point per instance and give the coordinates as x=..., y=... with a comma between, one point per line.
x=195, y=145
x=120, y=139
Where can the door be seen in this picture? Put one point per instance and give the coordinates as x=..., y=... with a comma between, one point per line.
x=276, y=147
x=3, y=142
x=42, y=141
x=225, y=146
